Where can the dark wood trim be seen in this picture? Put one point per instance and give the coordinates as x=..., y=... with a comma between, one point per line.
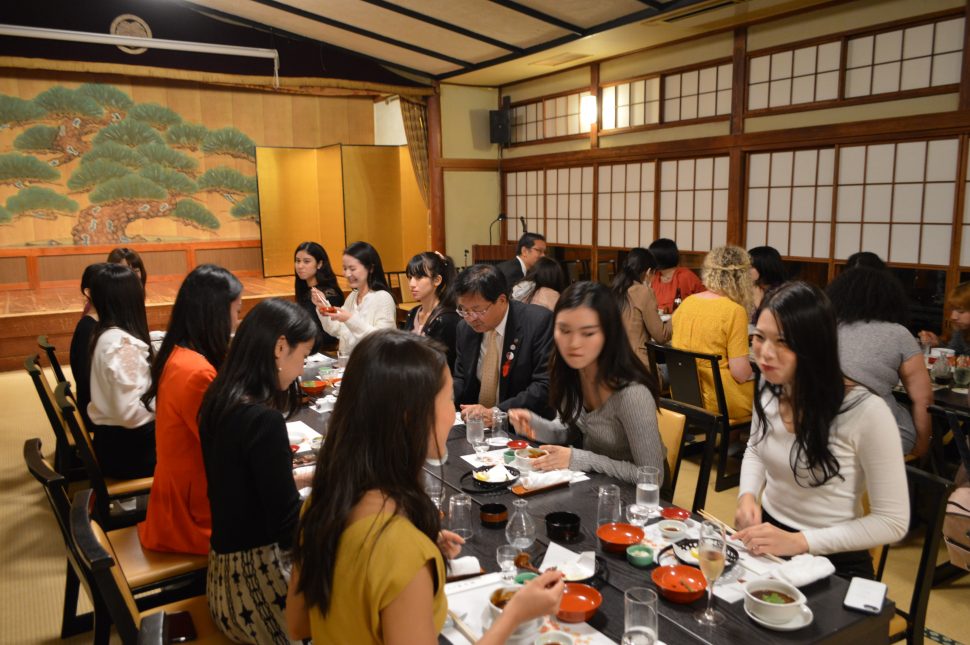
x=543, y=97
x=431, y=20
x=468, y=164
x=535, y=142
x=142, y=247
x=857, y=100
x=683, y=69
x=739, y=80
x=836, y=151
x=667, y=124
x=915, y=21
x=965, y=69
x=956, y=237
x=436, y=179
x=634, y=79
x=736, y=191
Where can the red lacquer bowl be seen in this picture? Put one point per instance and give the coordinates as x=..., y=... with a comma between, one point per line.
x=313, y=388
x=679, y=583
x=675, y=513
x=517, y=444
x=579, y=603
x=615, y=537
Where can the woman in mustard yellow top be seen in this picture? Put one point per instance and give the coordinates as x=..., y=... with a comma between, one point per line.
x=715, y=321
x=369, y=565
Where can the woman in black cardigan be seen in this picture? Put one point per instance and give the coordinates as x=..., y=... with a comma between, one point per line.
x=430, y=277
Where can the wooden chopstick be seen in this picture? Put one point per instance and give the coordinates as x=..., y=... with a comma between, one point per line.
x=730, y=531
x=462, y=628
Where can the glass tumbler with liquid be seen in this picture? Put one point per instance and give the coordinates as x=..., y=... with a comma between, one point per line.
x=648, y=488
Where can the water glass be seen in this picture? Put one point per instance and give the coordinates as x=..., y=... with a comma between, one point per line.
x=637, y=514
x=961, y=376
x=435, y=489
x=648, y=488
x=639, y=616
x=460, y=515
x=505, y=556
x=500, y=424
x=609, y=505
x=342, y=359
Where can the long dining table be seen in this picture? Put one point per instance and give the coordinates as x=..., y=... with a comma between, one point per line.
x=676, y=624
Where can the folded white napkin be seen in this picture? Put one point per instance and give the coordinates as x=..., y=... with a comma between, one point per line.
x=300, y=432
x=319, y=359
x=804, y=569
x=465, y=566
x=325, y=404
x=535, y=479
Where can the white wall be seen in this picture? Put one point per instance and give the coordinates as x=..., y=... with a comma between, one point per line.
x=388, y=123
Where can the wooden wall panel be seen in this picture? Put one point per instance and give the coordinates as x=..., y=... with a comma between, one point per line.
x=13, y=270
x=248, y=261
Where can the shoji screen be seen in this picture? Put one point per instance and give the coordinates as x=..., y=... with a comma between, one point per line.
x=698, y=93
x=631, y=104
x=803, y=75
x=625, y=209
x=693, y=202
x=561, y=116
x=569, y=205
x=789, y=204
x=897, y=200
x=524, y=194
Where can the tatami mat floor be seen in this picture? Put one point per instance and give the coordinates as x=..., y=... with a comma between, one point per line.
x=32, y=562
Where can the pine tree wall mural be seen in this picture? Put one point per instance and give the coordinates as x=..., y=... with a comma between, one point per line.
x=94, y=155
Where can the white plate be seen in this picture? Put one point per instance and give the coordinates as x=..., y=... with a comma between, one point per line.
x=802, y=619
x=501, y=442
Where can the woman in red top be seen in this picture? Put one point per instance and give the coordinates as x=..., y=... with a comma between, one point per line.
x=205, y=313
x=670, y=278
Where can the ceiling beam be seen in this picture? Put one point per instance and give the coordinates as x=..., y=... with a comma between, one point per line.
x=360, y=31
x=653, y=4
x=538, y=15
x=444, y=25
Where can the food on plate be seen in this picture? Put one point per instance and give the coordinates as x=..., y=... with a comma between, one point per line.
x=772, y=596
x=494, y=475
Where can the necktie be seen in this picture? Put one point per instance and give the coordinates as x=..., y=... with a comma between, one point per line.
x=488, y=392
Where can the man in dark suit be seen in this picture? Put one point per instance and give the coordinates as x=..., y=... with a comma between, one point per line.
x=502, y=347
x=530, y=248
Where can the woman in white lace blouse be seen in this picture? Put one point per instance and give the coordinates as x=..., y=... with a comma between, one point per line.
x=121, y=354
x=369, y=307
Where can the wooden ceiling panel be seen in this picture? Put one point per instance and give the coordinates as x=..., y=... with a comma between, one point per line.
x=584, y=13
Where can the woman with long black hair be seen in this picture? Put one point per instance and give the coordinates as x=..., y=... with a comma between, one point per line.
x=369, y=307
x=121, y=355
x=205, y=313
x=369, y=562
x=311, y=270
x=605, y=397
x=249, y=467
x=430, y=278
x=638, y=304
x=817, y=444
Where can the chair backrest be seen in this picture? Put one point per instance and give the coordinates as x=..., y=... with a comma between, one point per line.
x=606, y=271
x=55, y=484
x=934, y=488
x=85, y=448
x=404, y=286
x=958, y=423
x=671, y=425
x=97, y=558
x=685, y=384
x=707, y=422
x=46, y=394
x=45, y=345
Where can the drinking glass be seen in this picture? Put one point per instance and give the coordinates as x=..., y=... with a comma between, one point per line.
x=941, y=371
x=608, y=505
x=961, y=376
x=460, y=515
x=639, y=616
x=342, y=359
x=711, y=554
x=474, y=428
x=435, y=489
x=505, y=556
x=648, y=488
x=637, y=514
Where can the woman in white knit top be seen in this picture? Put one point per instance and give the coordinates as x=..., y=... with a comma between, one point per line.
x=369, y=307
x=817, y=445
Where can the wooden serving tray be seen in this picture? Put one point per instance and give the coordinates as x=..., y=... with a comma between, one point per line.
x=521, y=490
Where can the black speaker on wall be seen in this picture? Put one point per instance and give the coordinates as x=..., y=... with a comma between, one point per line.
x=500, y=124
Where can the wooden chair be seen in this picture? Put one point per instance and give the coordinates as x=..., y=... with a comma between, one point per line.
x=407, y=300
x=576, y=270
x=118, y=502
x=174, y=574
x=99, y=561
x=909, y=624
x=606, y=271
x=685, y=387
x=66, y=460
x=45, y=345
x=698, y=418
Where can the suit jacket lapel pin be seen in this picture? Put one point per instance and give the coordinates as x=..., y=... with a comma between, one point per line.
x=507, y=365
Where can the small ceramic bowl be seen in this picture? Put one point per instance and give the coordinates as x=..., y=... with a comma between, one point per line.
x=639, y=555
x=562, y=526
x=775, y=613
x=509, y=456
x=525, y=457
x=494, y=516
x=672, y=530
x=518, y=444
x=525, y=630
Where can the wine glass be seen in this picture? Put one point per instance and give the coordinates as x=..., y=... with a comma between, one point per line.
x=711, y=554
x=475, y=430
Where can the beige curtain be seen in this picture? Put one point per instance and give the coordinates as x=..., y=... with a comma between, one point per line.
x=416, y=130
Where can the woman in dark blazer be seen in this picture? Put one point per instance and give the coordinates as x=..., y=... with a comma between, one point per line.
x=430, y=278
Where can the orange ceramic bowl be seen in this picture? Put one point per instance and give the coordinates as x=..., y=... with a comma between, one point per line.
x=615, y=537
x=313, y=388
x=679, y=583
x=579, y=603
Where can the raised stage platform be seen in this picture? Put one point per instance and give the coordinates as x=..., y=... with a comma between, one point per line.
x=54, y=311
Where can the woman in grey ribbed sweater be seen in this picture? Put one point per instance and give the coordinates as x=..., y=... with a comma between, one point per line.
x=605, y=397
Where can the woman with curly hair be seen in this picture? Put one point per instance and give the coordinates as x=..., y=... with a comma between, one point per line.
x=715, y=321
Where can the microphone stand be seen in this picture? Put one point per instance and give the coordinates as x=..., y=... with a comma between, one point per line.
x=501, y=218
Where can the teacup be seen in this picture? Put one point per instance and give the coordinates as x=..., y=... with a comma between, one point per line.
x=672, y=530
x=526, y=456
x=773, y=601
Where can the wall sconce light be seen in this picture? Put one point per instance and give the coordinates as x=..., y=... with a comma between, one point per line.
x=587, y=112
